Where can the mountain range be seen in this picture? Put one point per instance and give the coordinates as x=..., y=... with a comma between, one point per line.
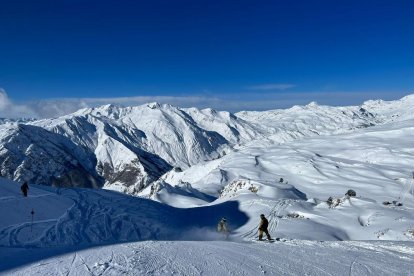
x=131, y=147
x=127, y=190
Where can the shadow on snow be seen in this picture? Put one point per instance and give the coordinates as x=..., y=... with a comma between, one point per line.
x=100, y=217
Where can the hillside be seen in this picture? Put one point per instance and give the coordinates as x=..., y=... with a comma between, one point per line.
x=292, y=183
x=98, y=232
x=188, y=168
x=127, y=149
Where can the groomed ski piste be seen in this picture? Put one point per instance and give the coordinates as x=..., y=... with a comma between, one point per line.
x=170, y=227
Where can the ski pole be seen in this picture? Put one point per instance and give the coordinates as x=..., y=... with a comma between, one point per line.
x=31, y=224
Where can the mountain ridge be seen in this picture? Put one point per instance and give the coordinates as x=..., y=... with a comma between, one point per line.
x=131, y=147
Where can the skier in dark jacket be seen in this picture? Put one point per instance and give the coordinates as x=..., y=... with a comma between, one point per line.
x=264, y=223
x=24, y=189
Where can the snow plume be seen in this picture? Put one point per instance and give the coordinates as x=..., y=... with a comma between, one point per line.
x=201, y=234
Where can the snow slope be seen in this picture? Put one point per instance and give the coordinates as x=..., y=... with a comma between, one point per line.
x=128, y=148
x=227, y=258
x=97, y=232
x=92, y=217
x=292, y=182
x=284, y=164
x=376, y=162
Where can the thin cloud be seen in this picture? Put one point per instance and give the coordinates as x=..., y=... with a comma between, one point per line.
x=8, y=109
x=272, y=86
x=49, y=108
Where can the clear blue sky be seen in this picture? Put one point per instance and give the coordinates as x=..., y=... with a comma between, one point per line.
x=80, y=48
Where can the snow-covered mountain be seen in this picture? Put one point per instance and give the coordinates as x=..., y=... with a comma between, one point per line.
x=303, y=181
x=192, y=167
x=134, y=146
x=31, y=153
x=129, y=148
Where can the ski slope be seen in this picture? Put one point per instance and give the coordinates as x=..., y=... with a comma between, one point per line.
x=286, y=169
x=96, y=232
x=84, y=217
x=377, y=163
x=225, y=258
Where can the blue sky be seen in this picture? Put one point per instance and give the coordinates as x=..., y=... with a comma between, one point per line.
x=275, y=52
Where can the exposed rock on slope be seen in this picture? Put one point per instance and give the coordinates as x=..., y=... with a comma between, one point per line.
x=129, y=148
x=34, y=154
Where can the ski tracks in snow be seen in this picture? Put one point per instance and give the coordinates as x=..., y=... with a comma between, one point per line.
x=229, y=258
x=357, y=268
x=275, y=213
x=90, y=220
x=273, y=217
x=93, y=221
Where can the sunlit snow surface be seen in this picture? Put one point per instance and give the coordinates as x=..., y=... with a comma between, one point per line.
x=227, y=258
x=87, y=232
x=288, y=176
x=377, y=163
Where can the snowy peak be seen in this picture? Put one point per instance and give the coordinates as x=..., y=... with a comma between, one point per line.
x=166, y=131
x=232, y=128
x=133, y=146
x=391, y=111
x=306, y=121
x=108, y=111
x=130, y=147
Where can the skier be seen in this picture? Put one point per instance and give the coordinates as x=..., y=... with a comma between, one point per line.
x=222, y=227
x=24, y=188
x=264, y=223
